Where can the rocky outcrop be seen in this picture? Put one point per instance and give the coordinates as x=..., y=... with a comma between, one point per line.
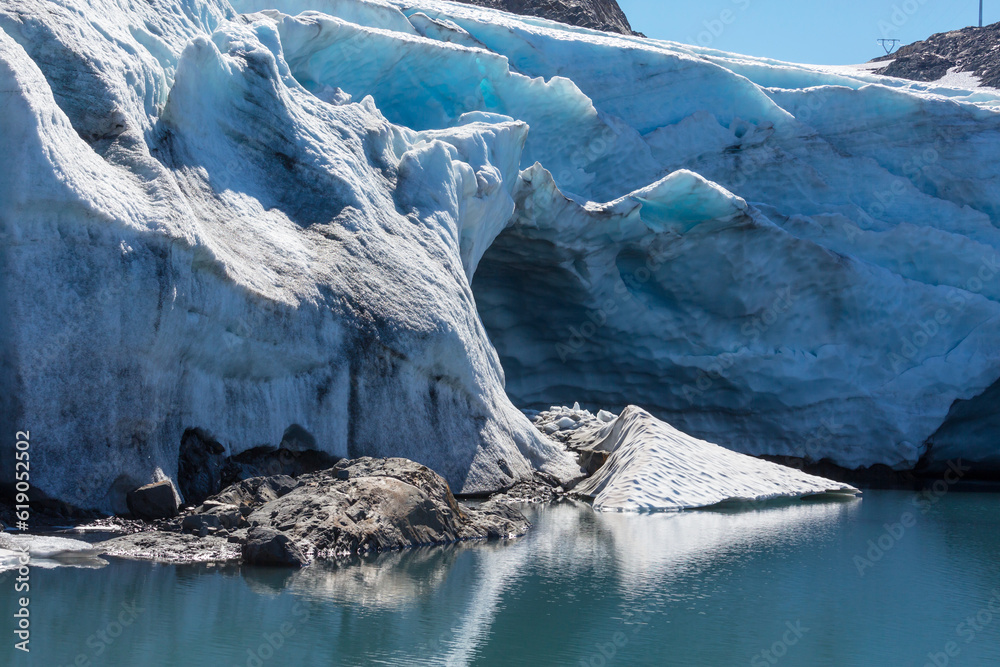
x=373, y=505
x=974, y=49
x=357, y=507
x=597, y=14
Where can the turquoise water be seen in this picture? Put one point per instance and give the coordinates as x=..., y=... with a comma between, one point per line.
x=697, y=588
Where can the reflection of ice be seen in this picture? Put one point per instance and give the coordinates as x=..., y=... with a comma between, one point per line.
x=47, y=552
x=498, y=570
x=453, y=598
x=675, y=542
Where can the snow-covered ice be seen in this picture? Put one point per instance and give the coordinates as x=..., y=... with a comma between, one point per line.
x=654, y=467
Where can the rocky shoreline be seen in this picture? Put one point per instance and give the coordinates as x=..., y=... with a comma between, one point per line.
x=298, y=515
x=358, y=507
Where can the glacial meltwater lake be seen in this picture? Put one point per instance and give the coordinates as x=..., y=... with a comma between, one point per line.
x=812, y=583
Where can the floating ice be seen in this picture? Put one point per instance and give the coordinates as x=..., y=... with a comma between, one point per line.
x=47, y=552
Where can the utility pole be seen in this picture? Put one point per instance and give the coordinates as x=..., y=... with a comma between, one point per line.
x=980, y=13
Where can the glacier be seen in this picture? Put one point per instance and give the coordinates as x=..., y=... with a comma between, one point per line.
x=388, y=222
x=193, y=240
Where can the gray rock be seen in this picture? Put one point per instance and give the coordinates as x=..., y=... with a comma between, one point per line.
x=370, y=505
x=542, y=489
x=266, y=546
x=237, y=536
x=166, y=547
x=153, y=501
x=256, y=491
x=229, y=516
x=201, y=524
x=357, y=507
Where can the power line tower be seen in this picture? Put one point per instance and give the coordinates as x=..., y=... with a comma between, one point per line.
x=888, y=45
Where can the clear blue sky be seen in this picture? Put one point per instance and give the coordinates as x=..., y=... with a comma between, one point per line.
x=831, y=32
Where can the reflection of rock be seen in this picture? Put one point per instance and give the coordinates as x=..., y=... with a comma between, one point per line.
x=270, y=581
x=166, y=547
x=386, y=581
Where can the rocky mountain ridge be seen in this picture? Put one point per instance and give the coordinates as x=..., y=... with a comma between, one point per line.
x=971, y=49
x=597, y=14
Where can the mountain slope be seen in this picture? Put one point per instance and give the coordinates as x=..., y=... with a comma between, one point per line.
x=974, y=50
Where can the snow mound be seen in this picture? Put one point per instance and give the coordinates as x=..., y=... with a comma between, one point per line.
x=654, y=467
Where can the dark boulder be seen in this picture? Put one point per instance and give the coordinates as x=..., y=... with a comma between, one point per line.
x=153, y=501
x=267, y=546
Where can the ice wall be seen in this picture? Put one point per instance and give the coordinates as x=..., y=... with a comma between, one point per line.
x=193, y=240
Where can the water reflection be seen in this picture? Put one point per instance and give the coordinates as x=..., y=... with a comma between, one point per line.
x=696, y=588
